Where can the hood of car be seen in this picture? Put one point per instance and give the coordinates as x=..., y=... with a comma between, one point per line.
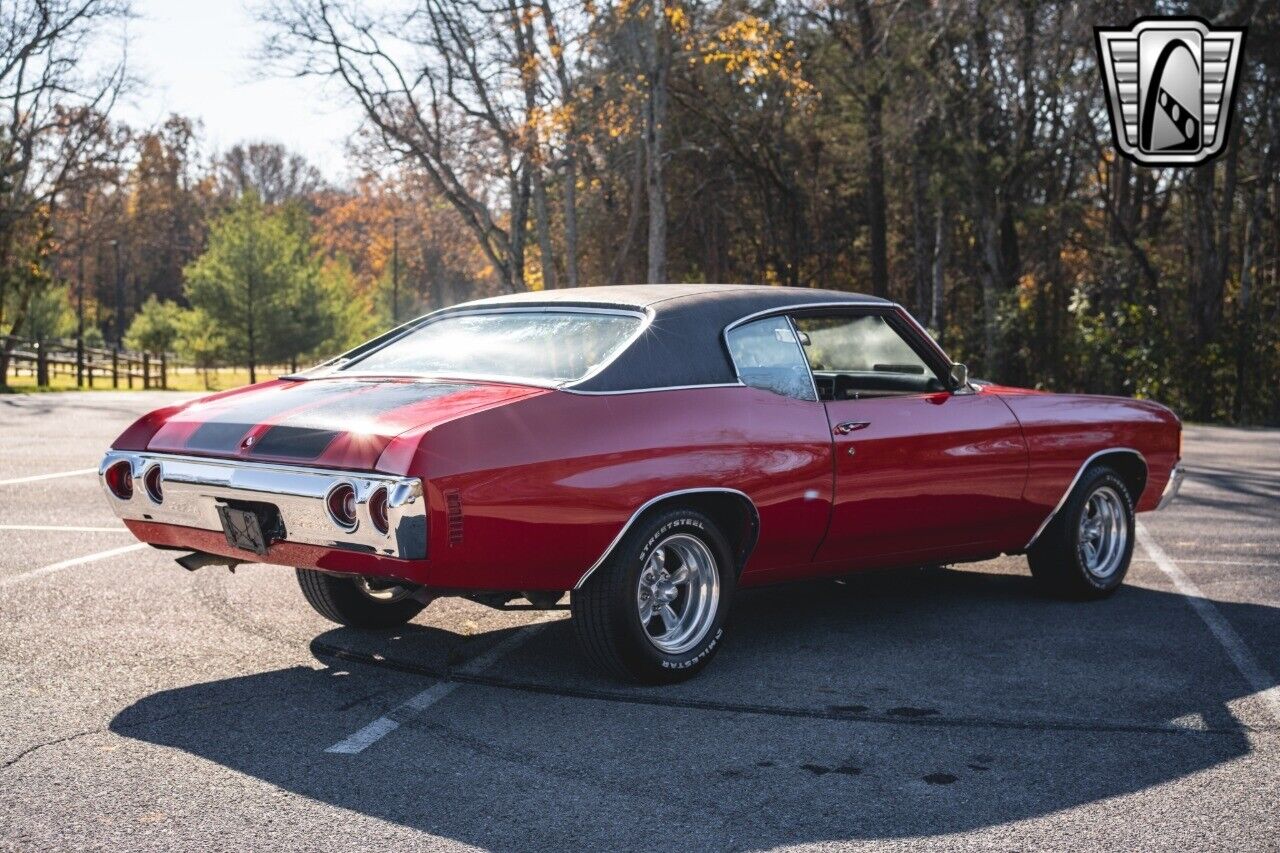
x=339, y=422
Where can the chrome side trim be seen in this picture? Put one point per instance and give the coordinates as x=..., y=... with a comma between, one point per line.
x=1171, y=488
x=1072, y=486
x=194, y=486
x=571, y=390
x=804, y=306
x=635, y=515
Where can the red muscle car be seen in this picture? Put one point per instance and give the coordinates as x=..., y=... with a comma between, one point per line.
x=649, y=449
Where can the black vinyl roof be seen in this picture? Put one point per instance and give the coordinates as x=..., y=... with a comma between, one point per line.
x=682, y=345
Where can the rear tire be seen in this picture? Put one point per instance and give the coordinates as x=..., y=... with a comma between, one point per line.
x=1085, y=551
x=676, y=568
x=358, y=602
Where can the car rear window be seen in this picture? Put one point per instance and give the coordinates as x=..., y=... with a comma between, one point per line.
x=544, y=347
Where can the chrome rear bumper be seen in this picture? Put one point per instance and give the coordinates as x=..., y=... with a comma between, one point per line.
x=192, y=489
x=1171, y=488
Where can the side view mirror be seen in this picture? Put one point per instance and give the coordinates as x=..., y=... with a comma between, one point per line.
x=959, y=376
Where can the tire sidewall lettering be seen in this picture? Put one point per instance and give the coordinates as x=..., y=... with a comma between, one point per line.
x=662, y=531
x=704, y=652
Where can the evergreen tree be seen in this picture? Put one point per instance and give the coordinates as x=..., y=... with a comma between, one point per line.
x=249, y=282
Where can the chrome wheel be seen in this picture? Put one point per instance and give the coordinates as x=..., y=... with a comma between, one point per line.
x=678, y=593
x=1104, y=533
x=383, y=591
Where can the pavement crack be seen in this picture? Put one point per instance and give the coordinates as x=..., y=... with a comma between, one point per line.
x=140, y=724
x=50, y=742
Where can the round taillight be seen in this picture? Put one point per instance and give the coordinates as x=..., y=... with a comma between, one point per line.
x=120, y=480
x=378, y=509
x=154, y=484
x=342, y=505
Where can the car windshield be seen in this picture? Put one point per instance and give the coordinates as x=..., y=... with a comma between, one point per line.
x=534, y=346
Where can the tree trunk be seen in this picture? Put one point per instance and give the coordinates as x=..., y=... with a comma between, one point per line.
x=571, y=216
x=5, y=242
x=249, y=331
x=937, y=312
x=655, y=130
x=1207, y=287
x=922, y=232
x=991, y=276
x=543, y=217
x=519, y=219
x=633, y=215
x=567, y=99
x=253, y=366
x=1251, y=255
x=876, y=219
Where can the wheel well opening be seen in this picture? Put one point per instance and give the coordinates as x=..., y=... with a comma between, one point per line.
x=1130, y=467
x=732, y=512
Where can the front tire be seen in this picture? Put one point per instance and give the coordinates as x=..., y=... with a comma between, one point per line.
x=1085, y=551
x=655, y=610
x=358, y=602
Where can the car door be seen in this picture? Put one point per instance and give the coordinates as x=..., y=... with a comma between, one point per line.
x=921, y=472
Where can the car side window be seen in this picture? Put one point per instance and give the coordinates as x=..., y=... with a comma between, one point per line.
x=767, y=356
x=857, y=356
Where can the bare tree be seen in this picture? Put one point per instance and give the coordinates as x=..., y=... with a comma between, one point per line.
x=53, y=119
x=276, y=174
x=445, y=85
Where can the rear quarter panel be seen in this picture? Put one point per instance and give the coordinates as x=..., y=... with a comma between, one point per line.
x=1064, y=430
x=547, y=482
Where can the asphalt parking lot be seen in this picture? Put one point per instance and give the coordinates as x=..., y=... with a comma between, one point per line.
x=148, y=708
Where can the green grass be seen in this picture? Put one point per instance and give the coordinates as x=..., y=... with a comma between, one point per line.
x=179, y=379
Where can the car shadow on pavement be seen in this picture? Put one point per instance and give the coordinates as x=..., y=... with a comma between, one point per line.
x=1243, y=494
x=898, y=706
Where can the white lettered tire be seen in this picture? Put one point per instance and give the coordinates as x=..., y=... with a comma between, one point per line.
x=1085, y=551
x=655, y=610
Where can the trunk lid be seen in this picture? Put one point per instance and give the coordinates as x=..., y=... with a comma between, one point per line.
x=332, y=423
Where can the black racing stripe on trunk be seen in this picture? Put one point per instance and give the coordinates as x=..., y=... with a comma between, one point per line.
x=218, y=436
x=223, y=431
x=294, y=442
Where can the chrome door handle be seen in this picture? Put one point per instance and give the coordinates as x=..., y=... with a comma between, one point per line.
x=850, y=426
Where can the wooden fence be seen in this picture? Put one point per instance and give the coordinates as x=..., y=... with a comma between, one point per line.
x=91, y=366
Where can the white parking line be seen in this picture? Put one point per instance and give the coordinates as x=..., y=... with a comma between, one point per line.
x=37, y=477
x=60, y=528
x=67, y=564
x=1262, y=563
x=415, y=705
x=1259, y=679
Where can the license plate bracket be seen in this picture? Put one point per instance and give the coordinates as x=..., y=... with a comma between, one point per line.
x=250, y=528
